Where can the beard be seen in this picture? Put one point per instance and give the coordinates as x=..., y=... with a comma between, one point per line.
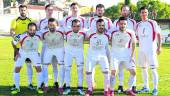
x=52, y=29
x=101, y=30
x=75, y=31
x=31, y=34
x=23, y=15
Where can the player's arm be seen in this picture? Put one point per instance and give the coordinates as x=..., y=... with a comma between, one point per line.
x=133, y=45
x=108, y=53
x=12, y=28
x=159, y=40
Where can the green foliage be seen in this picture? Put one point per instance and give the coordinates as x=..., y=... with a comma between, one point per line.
x=156, y=8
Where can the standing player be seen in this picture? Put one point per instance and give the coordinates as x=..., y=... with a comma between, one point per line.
x=19, y=26
x=29, y=49
x=74, y=49
x=149, y=36
x=121, y=42
x=43, y=25
x=75, y=11
x=53, y=39
x=98, y=52
x=92, y=25
x=125, y=12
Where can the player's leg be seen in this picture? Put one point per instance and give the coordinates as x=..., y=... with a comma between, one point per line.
x=132, y=69
x=68, y=64
x=143, y=61
x=18, y=65
x=104, y=64
x=55, y=71
x=153, y=66
x=90, y=64
x=80, y=63
x=120, y=78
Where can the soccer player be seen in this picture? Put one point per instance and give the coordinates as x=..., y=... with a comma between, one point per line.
x=53, y=39
x=98, y=52
x=29, y=49
x=148, y=33
x=75, y=14
x=125, y=12
x=43, y=25
x=92, y=25
x=121, y=42
x=100, y=9
x=74, y=49
x=19, y=26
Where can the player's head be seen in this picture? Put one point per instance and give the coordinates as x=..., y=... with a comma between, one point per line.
x=23, y=10
x=125, y=10
x=76, y=25
x=52, y=24
x=49, y=10
x=122, y=23
x=100, y=26
x=32, y=28
x=143, y=13
x=100, y=10
x=74, y=8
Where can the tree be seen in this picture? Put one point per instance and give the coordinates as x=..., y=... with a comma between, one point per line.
x=127, y=2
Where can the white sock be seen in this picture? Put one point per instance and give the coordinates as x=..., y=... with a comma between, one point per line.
x=80, y=75
x=121, y=75
x=17, y=79
x=55, y=71
x=67, y=75
x=45, y=74
x=155, y=78
x=93, y=75
x=89, y=81
x=131, y=82
x=106, y=81
x=39, y=79
x=61, y=75
x=145, y=77
x=29, y=72
x=112, y=81
x=134, y=83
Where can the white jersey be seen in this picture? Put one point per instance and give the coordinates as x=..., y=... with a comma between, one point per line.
x=75, y=40
x=147, y=32
x=98, y=43
x=121, y=43
x=131, y=24
x=53, y=39
x=93, y=20
x=43, y=24
x=28, y=44
x=68, y=21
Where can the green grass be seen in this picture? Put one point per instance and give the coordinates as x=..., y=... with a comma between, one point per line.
x=7, y=63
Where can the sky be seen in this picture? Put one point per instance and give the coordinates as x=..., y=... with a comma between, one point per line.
x=107, y=3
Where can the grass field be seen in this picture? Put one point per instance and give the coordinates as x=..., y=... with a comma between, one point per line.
x=6, y=74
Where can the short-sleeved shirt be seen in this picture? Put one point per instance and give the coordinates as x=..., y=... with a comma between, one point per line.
x=147, y=32
x=43, y=24
x=20, y=25
x=121, y=42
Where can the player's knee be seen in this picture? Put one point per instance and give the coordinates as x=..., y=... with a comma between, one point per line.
x=113, y=72
x=38, y=68
x=17, y=69
x=132, y=72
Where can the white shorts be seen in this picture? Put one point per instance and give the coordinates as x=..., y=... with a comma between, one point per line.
x=147, y=59
x=50, y=53
x=78, y=54
x=93, y=59
x=33, y=56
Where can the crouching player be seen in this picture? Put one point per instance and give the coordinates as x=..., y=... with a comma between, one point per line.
x=98, y=52
x=29, y=49
x=121, y=53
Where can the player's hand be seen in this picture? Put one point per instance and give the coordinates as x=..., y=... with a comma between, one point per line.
x=158, y=51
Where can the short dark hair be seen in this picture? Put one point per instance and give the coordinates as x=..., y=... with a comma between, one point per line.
x=99, y=20
x=52, y=20
x=100, y=6
x=122, y=18
x=22, y=6
x=143, y=8
x=75, y=21
x=32, y=24
x=49, y=5
x=126, y=6
x=73, y=4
